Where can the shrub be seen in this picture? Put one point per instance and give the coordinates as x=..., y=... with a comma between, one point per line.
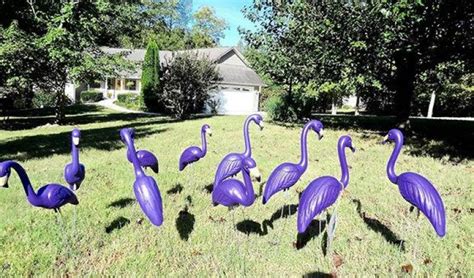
x=43, y=99
x=279, y=109
x=150, y=77
x=91, y=96
x=130, y=101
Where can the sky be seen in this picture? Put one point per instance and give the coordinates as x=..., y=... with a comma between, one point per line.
x=230, y=11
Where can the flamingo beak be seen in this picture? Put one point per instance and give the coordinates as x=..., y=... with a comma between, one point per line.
x=4, y=181
x=260, y=125
x=75, y=140
x=321, y=134
x=385, y=139
x=255, y=172
x=353, y=149
x=209, y=131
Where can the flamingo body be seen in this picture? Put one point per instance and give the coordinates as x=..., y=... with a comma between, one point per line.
x=194, y=153
x=232, y=192
x=146, y=159
x=75, y=172
x=145, y=187
x=233, y=163
x=416, y=189
x=287, y=174
x=282, y=178
x=50, y=196
x=149, y=197
x=318, y=196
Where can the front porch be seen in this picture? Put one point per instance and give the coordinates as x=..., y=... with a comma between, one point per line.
x=112, y=87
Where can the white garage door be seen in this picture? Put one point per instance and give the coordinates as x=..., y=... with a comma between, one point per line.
x=232, y=102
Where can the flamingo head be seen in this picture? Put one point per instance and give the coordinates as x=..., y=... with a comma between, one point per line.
x=393, y=135
x=76, y=136
x=127, y=134
x=207, y=129
x=250, y=166
x=346, y=142
x=4, y=175
x=258, y=119
x=318, y=127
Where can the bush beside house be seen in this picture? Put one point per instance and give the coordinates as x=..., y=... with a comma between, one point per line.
x=91, y=96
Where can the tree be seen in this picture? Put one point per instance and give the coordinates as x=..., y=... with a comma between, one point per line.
x=150, y=77
x=56, y=42
x=187, y=83
x=208, y=29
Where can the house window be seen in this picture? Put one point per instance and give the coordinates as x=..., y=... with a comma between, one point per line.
x=131, y=84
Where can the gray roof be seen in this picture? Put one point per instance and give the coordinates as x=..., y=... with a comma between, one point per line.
x=231, y=74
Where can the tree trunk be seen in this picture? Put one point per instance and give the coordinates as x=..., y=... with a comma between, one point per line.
x=404, y=86
x=333, y=108
x=60, y=104
x=431, y=106
x=356, y=113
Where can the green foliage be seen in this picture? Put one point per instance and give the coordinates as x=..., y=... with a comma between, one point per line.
x=208, y=28
x=129, y=100
x=150, y=77
x=91, y=96
x=43, y=99
x=279, y=109
x=187, y=84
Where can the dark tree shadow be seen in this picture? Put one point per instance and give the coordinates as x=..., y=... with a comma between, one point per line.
x=317, y=274
x=441, y=139
x=121, y=203
x=284, y=212
x=208, y=188
x=185, y=223
x=251, y=227
x=175, y=190
x=311, y=232
x=117, y=224
x=260, y=189
x=378, y=227
x=44, y=145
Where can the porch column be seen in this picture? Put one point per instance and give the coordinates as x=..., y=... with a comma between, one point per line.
x=106, y=86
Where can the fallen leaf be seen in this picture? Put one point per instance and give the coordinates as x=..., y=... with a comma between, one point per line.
x=333, y=275
x=337, y=260
x=456, y=210
x=471, y=210
x=196, y=253
x=139, y=221
x=427, y=261
x=408, y=268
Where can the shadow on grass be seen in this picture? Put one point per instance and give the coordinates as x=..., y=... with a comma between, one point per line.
x=208, y=188
x=44, y=145
x=185, y=223
x=315, y=228
x=443, y=139
x=117, y=224
x=378, y=227
x=121, y=203
x=284, y=212
x=317, y=274
x=251, y=227
x=175, y=190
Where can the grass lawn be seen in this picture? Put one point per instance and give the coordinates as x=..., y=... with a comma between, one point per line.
x=111, y=235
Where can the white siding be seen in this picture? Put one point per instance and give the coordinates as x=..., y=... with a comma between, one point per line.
x=232, y=59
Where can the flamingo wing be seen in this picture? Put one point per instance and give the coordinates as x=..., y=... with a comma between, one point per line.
x=231, y=192
x=149, y=198
x=419, y=192
x=55, y=196
x=284, y=176
x=229, y=166
x=318, y=196
x=189, y=155
x=147, y=159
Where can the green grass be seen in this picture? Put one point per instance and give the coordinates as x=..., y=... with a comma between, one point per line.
x=111, y=236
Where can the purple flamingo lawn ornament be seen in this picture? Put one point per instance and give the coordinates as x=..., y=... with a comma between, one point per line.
x=416, y=189
x=194, y=153
x=74, y=172
x=232, y=192
x=232, y=163
x=145, y=188
x=146, y=159
x=51, y=196
x=323, y=192
x=287, y=174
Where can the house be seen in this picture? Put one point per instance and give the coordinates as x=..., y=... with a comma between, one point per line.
x=237, y=93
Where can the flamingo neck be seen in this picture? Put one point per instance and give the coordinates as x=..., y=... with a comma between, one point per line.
x=133, y=156
x=75, y=158
x=343, y=163
x=392, y=176
x=203, y=142
x=29, y=191
x=304, y=147
x=248, y=148
x=248, y=183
